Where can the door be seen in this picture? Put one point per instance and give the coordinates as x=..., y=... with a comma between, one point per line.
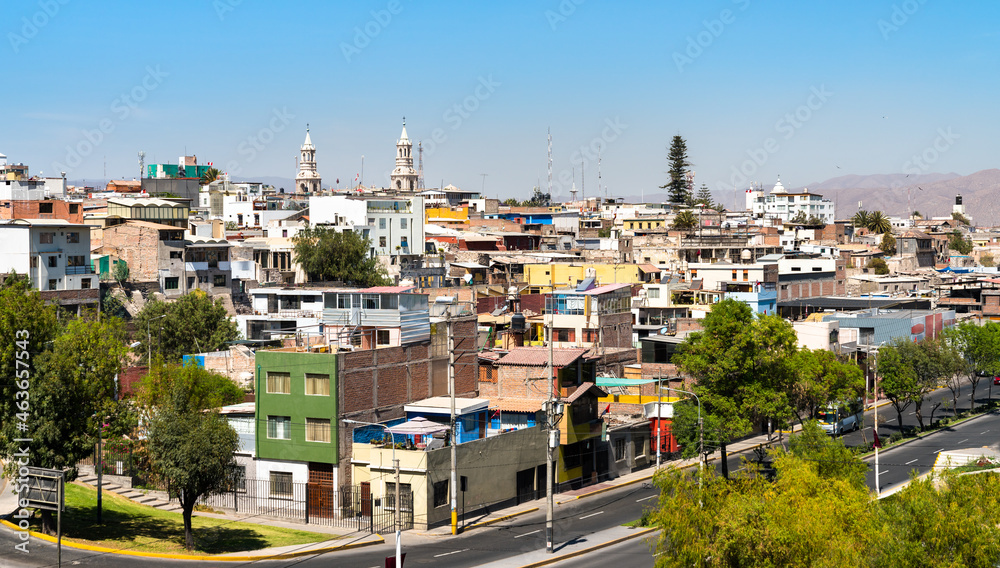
x=526, y=485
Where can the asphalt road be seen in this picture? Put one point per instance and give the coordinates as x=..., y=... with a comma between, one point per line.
x=575, y=521
x=888, y=422
x=636, y=553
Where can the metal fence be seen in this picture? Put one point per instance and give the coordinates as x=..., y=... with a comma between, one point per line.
x=351, y=506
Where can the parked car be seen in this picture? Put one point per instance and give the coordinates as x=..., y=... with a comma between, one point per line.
x=996, y=380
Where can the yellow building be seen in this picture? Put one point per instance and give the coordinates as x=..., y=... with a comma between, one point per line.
x=644, y=224
x=446, y=215
x=541, y=278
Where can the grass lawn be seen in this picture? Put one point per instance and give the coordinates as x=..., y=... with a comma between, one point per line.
x=131, y=526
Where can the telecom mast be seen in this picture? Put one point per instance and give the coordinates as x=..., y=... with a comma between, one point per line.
x=420, y=165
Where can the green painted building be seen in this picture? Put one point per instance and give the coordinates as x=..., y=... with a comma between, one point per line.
x=296, y=416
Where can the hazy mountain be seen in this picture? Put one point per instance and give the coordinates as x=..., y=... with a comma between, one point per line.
x=875, y=181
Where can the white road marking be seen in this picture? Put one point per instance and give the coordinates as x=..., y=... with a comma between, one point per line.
x=912, y=413
x=981, y=433
x=452, y=552
x=526, y=534
x=939, y=451
x=963, y=441
x=909, y=462
x=591, y=515
x=644, y=498
x=883, y=472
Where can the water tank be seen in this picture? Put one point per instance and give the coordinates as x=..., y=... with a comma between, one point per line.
x=518, y=323
x=958, y=200
x=746, y=256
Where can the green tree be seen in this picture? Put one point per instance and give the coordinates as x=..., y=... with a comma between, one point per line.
x=860, y=219
x=821, y=378
x=896, y=380
x=960, y=218
x=685, y=220
x=27, y=327
x=879, y=223
x=878, y=266
x=511, y=202
x=192, y=324
x=986, y=259
x=958, y=243
x=888, y=244
x=980, y=347
x=917, y=215
x=678, y=191
x=814, y=220
x=704, y=197
x=209, y=175
x=799, y=218
x=344, y=256
x=72, y=386
x=741, y=364
x=927, y=361
x=191, y=447
x=120, y=271
x=828, y=455
x=538, y=199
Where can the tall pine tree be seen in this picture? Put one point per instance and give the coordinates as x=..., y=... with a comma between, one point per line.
x=677, y=187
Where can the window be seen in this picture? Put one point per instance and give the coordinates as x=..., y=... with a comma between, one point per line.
x=381, y=242
x=694, y=273
x=190, y=281
x=382, y=337
x=237, y=477
x=402, y=223
x=746, y=275
x=369, y=301
x=381, y=222
x=45, y=208
x=74, y=209
x=53, y=261
x=171, y=283
x=176, y=254
x=441, y=493
x=281, y=484
x=318, y=385
x=619, y=449
x=279, y=427
x=219, y=280
x=34, y=261
x=203, y=279
x=75, y=260
x=343, y=301
x=318, y=430
x=653, y=293
x=405, y=496
x=85, y=284
x=564, y=335
x=734, y=275
x=639, y=445
x=279, y=383
x=590, y=336
x=73, y=237
x=52, y=283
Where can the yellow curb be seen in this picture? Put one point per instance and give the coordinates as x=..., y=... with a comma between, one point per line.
x=498, y=519
x=581, y=552
x=216, y=558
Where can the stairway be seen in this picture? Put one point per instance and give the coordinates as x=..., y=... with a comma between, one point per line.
x=133, y=495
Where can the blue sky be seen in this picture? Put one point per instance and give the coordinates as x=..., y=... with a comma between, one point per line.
x=756, y=88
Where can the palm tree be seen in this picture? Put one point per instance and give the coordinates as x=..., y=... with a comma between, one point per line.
x=685, y=220
x=209, y=176
x=860, y=219
x=879, y=223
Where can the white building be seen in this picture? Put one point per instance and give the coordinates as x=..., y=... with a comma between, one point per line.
x=780, y=204
x=307, y=180
x=395, y=225
x=55, y=254
x=404, y=177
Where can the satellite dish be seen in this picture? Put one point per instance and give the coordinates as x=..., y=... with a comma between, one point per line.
x=467, y=278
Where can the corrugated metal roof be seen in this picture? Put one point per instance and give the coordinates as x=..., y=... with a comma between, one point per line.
x=386, y=289
x=539, y=356
x=605, y=289
x=515, y=404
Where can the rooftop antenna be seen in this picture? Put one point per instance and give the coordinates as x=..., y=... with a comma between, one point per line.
x=549, y=132
x=583, y=179
x=142, y=163
x=599, y=178
x=484, y=182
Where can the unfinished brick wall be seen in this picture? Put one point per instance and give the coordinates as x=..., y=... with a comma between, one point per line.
x=375, y=384
x=137, y=246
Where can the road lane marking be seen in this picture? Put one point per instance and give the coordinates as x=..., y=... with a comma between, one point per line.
x=644, y=498
x=526, y=534
x=939, y=451
x=883, y=472
x=591, y=515
x=909, y=462
x=912, y=413
x=963, y=441
x=981, y=433
x=452, y=552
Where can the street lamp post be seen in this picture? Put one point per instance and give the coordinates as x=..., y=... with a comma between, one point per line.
x=149, y=341
x=399, y=504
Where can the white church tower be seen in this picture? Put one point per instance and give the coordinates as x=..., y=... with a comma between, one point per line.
x=404, y=177
x=307, y=179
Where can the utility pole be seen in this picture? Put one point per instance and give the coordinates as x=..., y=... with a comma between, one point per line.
x=100, y=466
x=659, y=418
x=553, y=434
x=399, y=507
x=454, y=440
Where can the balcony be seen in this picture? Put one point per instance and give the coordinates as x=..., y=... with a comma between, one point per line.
x=80, y=269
